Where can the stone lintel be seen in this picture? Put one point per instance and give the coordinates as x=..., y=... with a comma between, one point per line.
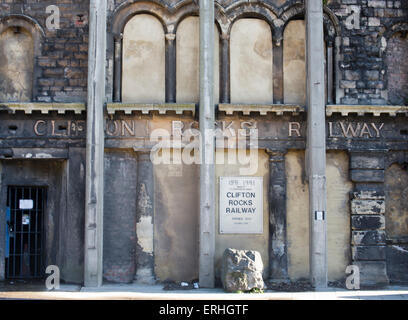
x=33, y=153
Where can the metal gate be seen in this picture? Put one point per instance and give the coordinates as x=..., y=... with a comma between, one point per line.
x=24, y=232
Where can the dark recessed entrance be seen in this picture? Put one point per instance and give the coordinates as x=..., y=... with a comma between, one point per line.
x=25, y=232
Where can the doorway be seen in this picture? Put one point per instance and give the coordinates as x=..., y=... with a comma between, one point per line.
x=25, y=232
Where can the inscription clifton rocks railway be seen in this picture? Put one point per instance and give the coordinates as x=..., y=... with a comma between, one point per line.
x=127, y=128
x=57, y=128
x=355, y=130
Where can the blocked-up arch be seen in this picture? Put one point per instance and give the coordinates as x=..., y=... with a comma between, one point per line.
x=20, y=42
x=251, y=62
x=396, y=64
x=294, y=62
x=187, y=41
x=143, y=73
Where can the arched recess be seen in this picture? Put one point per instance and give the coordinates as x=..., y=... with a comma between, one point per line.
x=294, y=43
x=396, y=63
x=143, y=61
x=188, y=56
x=251, y=62
x=294, y=62
x=20, y=43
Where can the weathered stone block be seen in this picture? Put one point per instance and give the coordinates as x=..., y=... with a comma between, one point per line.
x=242, y=270
x=372, y=273
x=363, y=161
x=367, y=222
x=370, y=253
x=367, y=206
x=372, y=237
x=368, y=195
x=397, y=263
x=367, y=175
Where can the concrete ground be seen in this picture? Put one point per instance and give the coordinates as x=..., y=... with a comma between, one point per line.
x=156, y=292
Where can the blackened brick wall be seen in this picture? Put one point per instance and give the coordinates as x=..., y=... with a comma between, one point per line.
x=364, y=65
x=397, y=71
x=64, y=59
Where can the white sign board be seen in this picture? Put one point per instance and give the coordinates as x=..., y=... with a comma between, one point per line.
x=26, y=204
x=241, y=205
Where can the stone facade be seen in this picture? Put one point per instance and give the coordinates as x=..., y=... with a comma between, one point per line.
x=151, y=212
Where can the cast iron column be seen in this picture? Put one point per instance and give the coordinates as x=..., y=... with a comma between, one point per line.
x=171, y=69
x=316, y=142
x=95, y=145
x=207, y=118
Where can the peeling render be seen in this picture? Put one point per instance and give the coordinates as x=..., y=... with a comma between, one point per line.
x=144, y=231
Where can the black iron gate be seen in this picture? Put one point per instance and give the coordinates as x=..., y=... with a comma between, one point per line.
x=25, y=232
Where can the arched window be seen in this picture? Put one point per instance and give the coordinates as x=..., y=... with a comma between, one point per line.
x=143, y=67
x=188, y=61
x=397, y=68
x=251, y=62
x=16, y=65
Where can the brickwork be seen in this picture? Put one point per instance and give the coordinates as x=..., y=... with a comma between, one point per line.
x=366, y=56
x=64, y=59
x=363, y=66
x=397, y=73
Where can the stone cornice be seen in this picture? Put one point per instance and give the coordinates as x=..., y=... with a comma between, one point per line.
x=363, y=110
x=44, y=108
x=147, y=108
x=247, y=109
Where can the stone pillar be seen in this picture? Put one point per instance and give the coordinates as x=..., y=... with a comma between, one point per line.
x=367, y=216
x=278, y=255
x=171, y=59
x=120, y=207
x=73, y=226
x=145, y=220
x=207, y=147
x=316, y=143
x=95, y=144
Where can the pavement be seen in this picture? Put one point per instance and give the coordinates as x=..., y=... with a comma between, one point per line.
x=156, y=292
